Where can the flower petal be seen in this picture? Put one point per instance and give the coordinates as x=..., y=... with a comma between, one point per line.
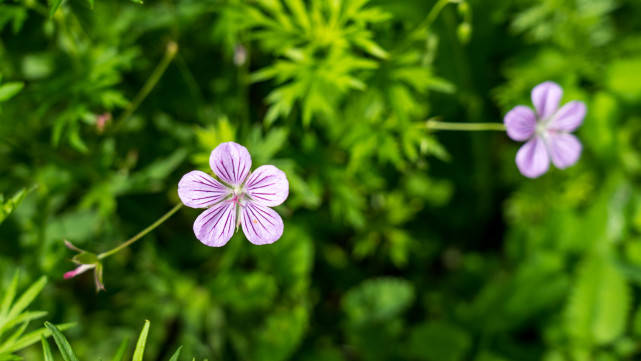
x=198, y=189
x=215, y=226
x=231, y=162
x=267, y=186
x=78, y=270
x=565, y=149
x=569, y=117
x=546, y=97
x=532, y=159
x=520, y=123
x=262, y=225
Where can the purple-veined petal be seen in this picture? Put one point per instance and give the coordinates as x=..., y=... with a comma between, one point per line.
x=230, y=162
x=215, y=226
x=569, y=117
x=546, y=97
x=533, y=159
x=261, y=225
x=520, y=123
x=565, y=149
x=198, y=189
x=267, y=186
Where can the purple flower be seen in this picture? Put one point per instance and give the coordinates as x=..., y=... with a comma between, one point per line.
x=547, y=131
x=243, y=197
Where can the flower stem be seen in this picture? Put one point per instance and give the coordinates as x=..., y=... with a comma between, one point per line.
x=432, y=15
x=142, y=233
x=170, y=53
x=465, y=127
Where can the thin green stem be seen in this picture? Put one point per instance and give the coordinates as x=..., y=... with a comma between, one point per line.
x=466, y=127
x=142, y=233
x=432, y=15
x=170, y=53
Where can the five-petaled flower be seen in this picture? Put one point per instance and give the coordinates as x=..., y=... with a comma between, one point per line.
x=243, y=197
x=547, y=131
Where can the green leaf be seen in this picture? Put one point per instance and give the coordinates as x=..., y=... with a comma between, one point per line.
x=599, y=303
x=9, y=296
x=61, y=341
x=9, y=90
x=439, y=341
x=55, y=4
x=46, y=350
x=120, y=354
x=25, y=300
x=378, y=300
x=176, y=354
x=33, y=337
x=10, y=205
x=142, y=341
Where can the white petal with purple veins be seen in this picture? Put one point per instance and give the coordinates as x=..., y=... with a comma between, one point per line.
x=215, y=226
x=532, y=159
x=267, y=186
x=198, y=189
x=565, y=149
x=230, y=162
x=569, y=117
x=520, y=123
x=546, y=97
x=262, y=225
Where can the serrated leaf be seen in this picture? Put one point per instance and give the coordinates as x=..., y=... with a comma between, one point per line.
x=61, y=341
x=378, y=300
x=142, y=341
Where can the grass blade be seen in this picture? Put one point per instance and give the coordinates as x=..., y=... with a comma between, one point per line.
x=27, y=297
x=46, y=350
x=61, y=341
x=33, y=337
x=176, y=354
x=142, y=341
x=8, y=297
x=121, y=350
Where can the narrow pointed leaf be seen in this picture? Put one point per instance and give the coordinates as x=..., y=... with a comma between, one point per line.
x=46, y=350
x=9, y=295
x=61, y=341
x=176, y=354
x=25, y=300
x=120, y=354
x=55, y=4
x=142, y=341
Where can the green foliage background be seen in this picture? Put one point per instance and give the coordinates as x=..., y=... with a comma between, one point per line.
x=399, y=244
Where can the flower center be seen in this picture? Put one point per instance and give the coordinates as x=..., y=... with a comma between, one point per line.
x=237, y=195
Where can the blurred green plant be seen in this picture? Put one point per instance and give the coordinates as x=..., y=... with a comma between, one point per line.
x=66, y=351
x=15, y=318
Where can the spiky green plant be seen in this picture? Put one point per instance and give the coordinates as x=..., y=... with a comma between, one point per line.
x=68, y=355
x=15, y=318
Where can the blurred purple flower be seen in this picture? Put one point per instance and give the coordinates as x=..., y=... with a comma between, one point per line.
x=244, y=198
x=547, y=131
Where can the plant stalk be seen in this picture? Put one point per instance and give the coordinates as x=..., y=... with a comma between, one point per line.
x=465, y=127
x=141, y=234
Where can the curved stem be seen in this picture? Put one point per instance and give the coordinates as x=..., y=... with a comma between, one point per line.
x=170, y=53
x=465, y=127
x=432, y=15
x=142, y=233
